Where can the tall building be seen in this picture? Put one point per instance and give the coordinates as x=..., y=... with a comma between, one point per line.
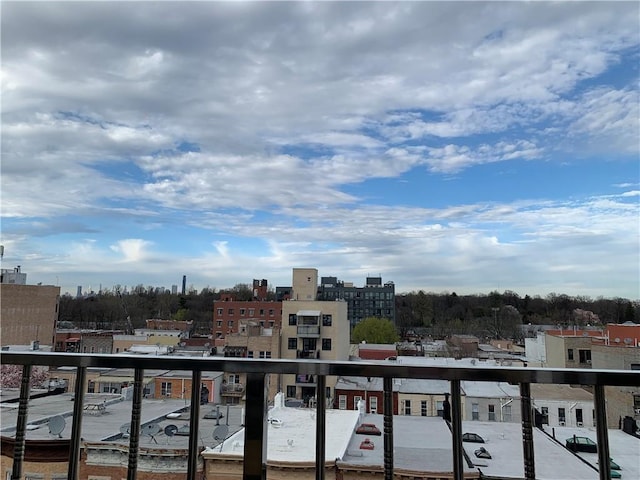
x=312, y=329
x=13, y=275
x=375, y=299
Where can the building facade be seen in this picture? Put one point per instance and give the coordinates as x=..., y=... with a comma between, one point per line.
x=375, y=299
x=311, y=329
x=29, y=313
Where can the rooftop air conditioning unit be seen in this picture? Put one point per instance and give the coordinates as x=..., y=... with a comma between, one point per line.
x=562, y=424
x=579, y=424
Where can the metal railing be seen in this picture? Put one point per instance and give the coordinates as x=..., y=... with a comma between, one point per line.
x=255, y=459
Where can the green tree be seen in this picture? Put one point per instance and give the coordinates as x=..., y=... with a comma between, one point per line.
x=375, y=330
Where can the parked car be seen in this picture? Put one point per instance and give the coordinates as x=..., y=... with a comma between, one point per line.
x=581, y=444
x=472, y=437
x=368, y=429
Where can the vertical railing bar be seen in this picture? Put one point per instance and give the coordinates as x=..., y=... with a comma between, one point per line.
x=21, y=425
x=194, y=424
x=134, y=428
x=321, y=405
x=456, y=431
x=527, y=431
x=255, y=430
x=388, y=427
x=604, y=460
x=76, y=426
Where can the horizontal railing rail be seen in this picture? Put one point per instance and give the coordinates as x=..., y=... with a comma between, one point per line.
x=255, y=460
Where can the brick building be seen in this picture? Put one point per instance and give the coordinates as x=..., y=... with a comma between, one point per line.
x=229, y=312
x=29, y=313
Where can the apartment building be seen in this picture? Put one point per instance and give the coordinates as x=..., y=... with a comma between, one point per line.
x=312, y=329
x=375, y=299
x=228, y=313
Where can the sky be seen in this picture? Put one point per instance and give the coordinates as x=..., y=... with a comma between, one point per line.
x=445, y=146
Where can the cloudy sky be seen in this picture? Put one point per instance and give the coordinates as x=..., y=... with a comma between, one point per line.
x=446, y=146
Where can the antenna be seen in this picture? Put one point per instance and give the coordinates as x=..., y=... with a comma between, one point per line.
x=56, y=425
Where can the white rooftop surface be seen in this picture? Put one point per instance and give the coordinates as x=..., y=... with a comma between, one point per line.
x=294, y=440
x=504, y=442
x=404, y=385
x=489, y=389
x=421, y=444
x=98, y=427
x=624, y=449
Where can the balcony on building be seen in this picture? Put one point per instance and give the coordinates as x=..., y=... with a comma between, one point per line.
x=232, y=389
x=308, y=323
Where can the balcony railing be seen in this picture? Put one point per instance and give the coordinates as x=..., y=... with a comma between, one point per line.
x=309, y=331
x=232, y=388
x=255, y=421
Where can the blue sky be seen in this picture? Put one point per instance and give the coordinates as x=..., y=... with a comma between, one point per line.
x=447, y=146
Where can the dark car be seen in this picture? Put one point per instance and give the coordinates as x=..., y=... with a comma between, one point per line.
x=581, y=444
x=472, y=437
x=368, y=429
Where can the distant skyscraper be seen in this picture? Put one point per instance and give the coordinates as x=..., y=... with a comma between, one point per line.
x=79, y=292
x=174, y=289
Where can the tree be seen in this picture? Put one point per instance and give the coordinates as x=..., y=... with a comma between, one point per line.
x=11, y=376
x=375, y=330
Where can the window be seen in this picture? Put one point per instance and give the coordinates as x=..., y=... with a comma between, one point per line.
x=252, y=312
x=407, y=407
x=475, y=414
x=492, y=413
x=291, y=391
x=440, y=408
x=562, y=416
x=356, y=400
x=293, y=319
x=570, y=354
x=585, y=356
x=292, y=343
x=326, y=344
x=423, y=408
x=373, y=404
x=220, y=310
x=506, y=413
x=230, y=323
x=165, y=389
x=265, y=354
x=545, y=415
x=230, y=311
x=271, y=312
x=326, y=320
x=242, y=311
x=233, y=378
x=342, y=402
x=579, y=419
x=219, y=323
x=262, y=312
x=250, y=354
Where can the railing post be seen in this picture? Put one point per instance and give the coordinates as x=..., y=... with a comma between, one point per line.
x=21, y=426
x=321, y=405
x=194, y=421
x=134, y=429
x=255, y=430
x=388, y=427
x=604, y=460
x=456, y=430
x=527, y=432
x=76, y=426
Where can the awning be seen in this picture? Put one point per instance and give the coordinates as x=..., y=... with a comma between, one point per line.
x=308, y=313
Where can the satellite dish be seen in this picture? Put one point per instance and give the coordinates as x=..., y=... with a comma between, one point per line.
x=125, y=429
x=56, y=425
x=170, y=430
x=151, y=429
x=220, y=433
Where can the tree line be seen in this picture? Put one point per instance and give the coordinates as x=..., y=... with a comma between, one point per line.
x=495, y=315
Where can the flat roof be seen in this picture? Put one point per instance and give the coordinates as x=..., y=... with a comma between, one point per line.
x=489, y=389
x=420, y=444
x=503, y=441
x=293, y=441
x=624, y=449
x=550, y=391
